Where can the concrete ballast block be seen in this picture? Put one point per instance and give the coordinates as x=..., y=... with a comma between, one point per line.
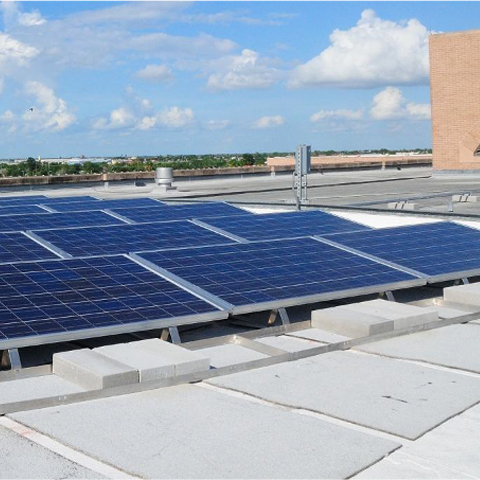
x=467, y=294
x=150, y=367
x=348, y=322
x=185, y=361
x=92, y=371
x=402, y=315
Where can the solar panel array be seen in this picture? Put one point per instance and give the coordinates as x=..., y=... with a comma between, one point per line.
x=91, y=241
x=440, y=250
x=95, y=204
x=43, y=299
x=179, y=212
x=284, y=225
x=56, y=220
x=253, y=275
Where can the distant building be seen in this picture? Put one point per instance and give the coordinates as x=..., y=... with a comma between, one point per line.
x=455, y=98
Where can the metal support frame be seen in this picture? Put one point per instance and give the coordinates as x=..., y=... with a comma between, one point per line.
x=173, y=334
x=283, y=316
x=302, y=168
x=10, y=359
x=388, y=294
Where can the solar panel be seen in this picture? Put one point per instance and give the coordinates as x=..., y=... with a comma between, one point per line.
x=56, y=220
x=179, y=212
x=92, y=241
x=17, y=247
x=284, y=225
x=20, y=209
x=440, y=251
x=261, y=275
x=45, y=302
x=22, y=200
x=104, y=204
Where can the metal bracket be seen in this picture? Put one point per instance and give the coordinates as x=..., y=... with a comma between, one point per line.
x=389, y=295
x=10, y=359
x=283, y=316
x=465, y=281
x=173, y=333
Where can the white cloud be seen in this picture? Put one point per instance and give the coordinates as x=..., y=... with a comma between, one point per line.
x=243, y=71
x=390, y=104
x=49, y=112
x=13, y=52
x=176, y=117
x=119, y=118
x=375, y=52
x=7, y=116
x=336, y=114
x=155, y=73
x=217, y=124
x=268, y=122
x=13, y=17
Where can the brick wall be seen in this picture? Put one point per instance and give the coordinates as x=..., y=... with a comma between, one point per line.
x=455, y=98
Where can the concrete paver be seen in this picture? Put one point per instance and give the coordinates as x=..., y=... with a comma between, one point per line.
x=230, y=354
x=319, y=335
x=21, y=458
x=195, y=432
x=456, y=346
x=388, y=395
x=35, y=387
x=287, y=343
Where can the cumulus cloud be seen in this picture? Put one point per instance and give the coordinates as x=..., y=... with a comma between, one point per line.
x=155, y=73
x=176, y=117
x=13, y=16
x=14, y=53
x=119, y=118
x=244, y=71
x=50, y=112
x=268, y=122
x=375, y=52
x=390, y=104
x=336, y=114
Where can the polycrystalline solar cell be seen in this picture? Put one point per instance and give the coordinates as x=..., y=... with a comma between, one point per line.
x=56, y=220
x=22, y=200
x=179, y=212
x=265, y=272
x=91, y=241
x=284, y=225
x=104, y=204
x=17, y=247
x=20, y=209
x=432, y=249
x=57, y=297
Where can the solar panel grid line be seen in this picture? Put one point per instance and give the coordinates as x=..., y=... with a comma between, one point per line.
x=176, y=280
x=45, y=244
x=111, y=204
x=60, y=300
x=220, y=231
x=370, y=257
x=17, y=247
x=48, y=209
x=9, y=211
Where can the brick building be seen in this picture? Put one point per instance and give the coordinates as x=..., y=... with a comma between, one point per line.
x=455, y=98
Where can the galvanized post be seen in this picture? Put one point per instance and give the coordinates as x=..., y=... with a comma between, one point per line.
x=302, y=168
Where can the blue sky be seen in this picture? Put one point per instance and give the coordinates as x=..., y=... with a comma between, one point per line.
x=112, y=78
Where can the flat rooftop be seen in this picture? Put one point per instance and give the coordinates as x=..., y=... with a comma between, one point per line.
x=405, y=406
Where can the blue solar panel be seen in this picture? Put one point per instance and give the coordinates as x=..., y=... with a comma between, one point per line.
x=284, y=225
x=20, y=209
x=91, y=241
x=104, y=204
x=56, y=220
x=179, y=212
x=436, y=250
x=17, y=247
x=275, y=273
x=55, y=300
x=22, y=200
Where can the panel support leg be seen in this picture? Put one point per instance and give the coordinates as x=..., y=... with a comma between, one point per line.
x=172, y=333
x=10, y=359
x=465, y=281
x=283, y=316
x=389, y=295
